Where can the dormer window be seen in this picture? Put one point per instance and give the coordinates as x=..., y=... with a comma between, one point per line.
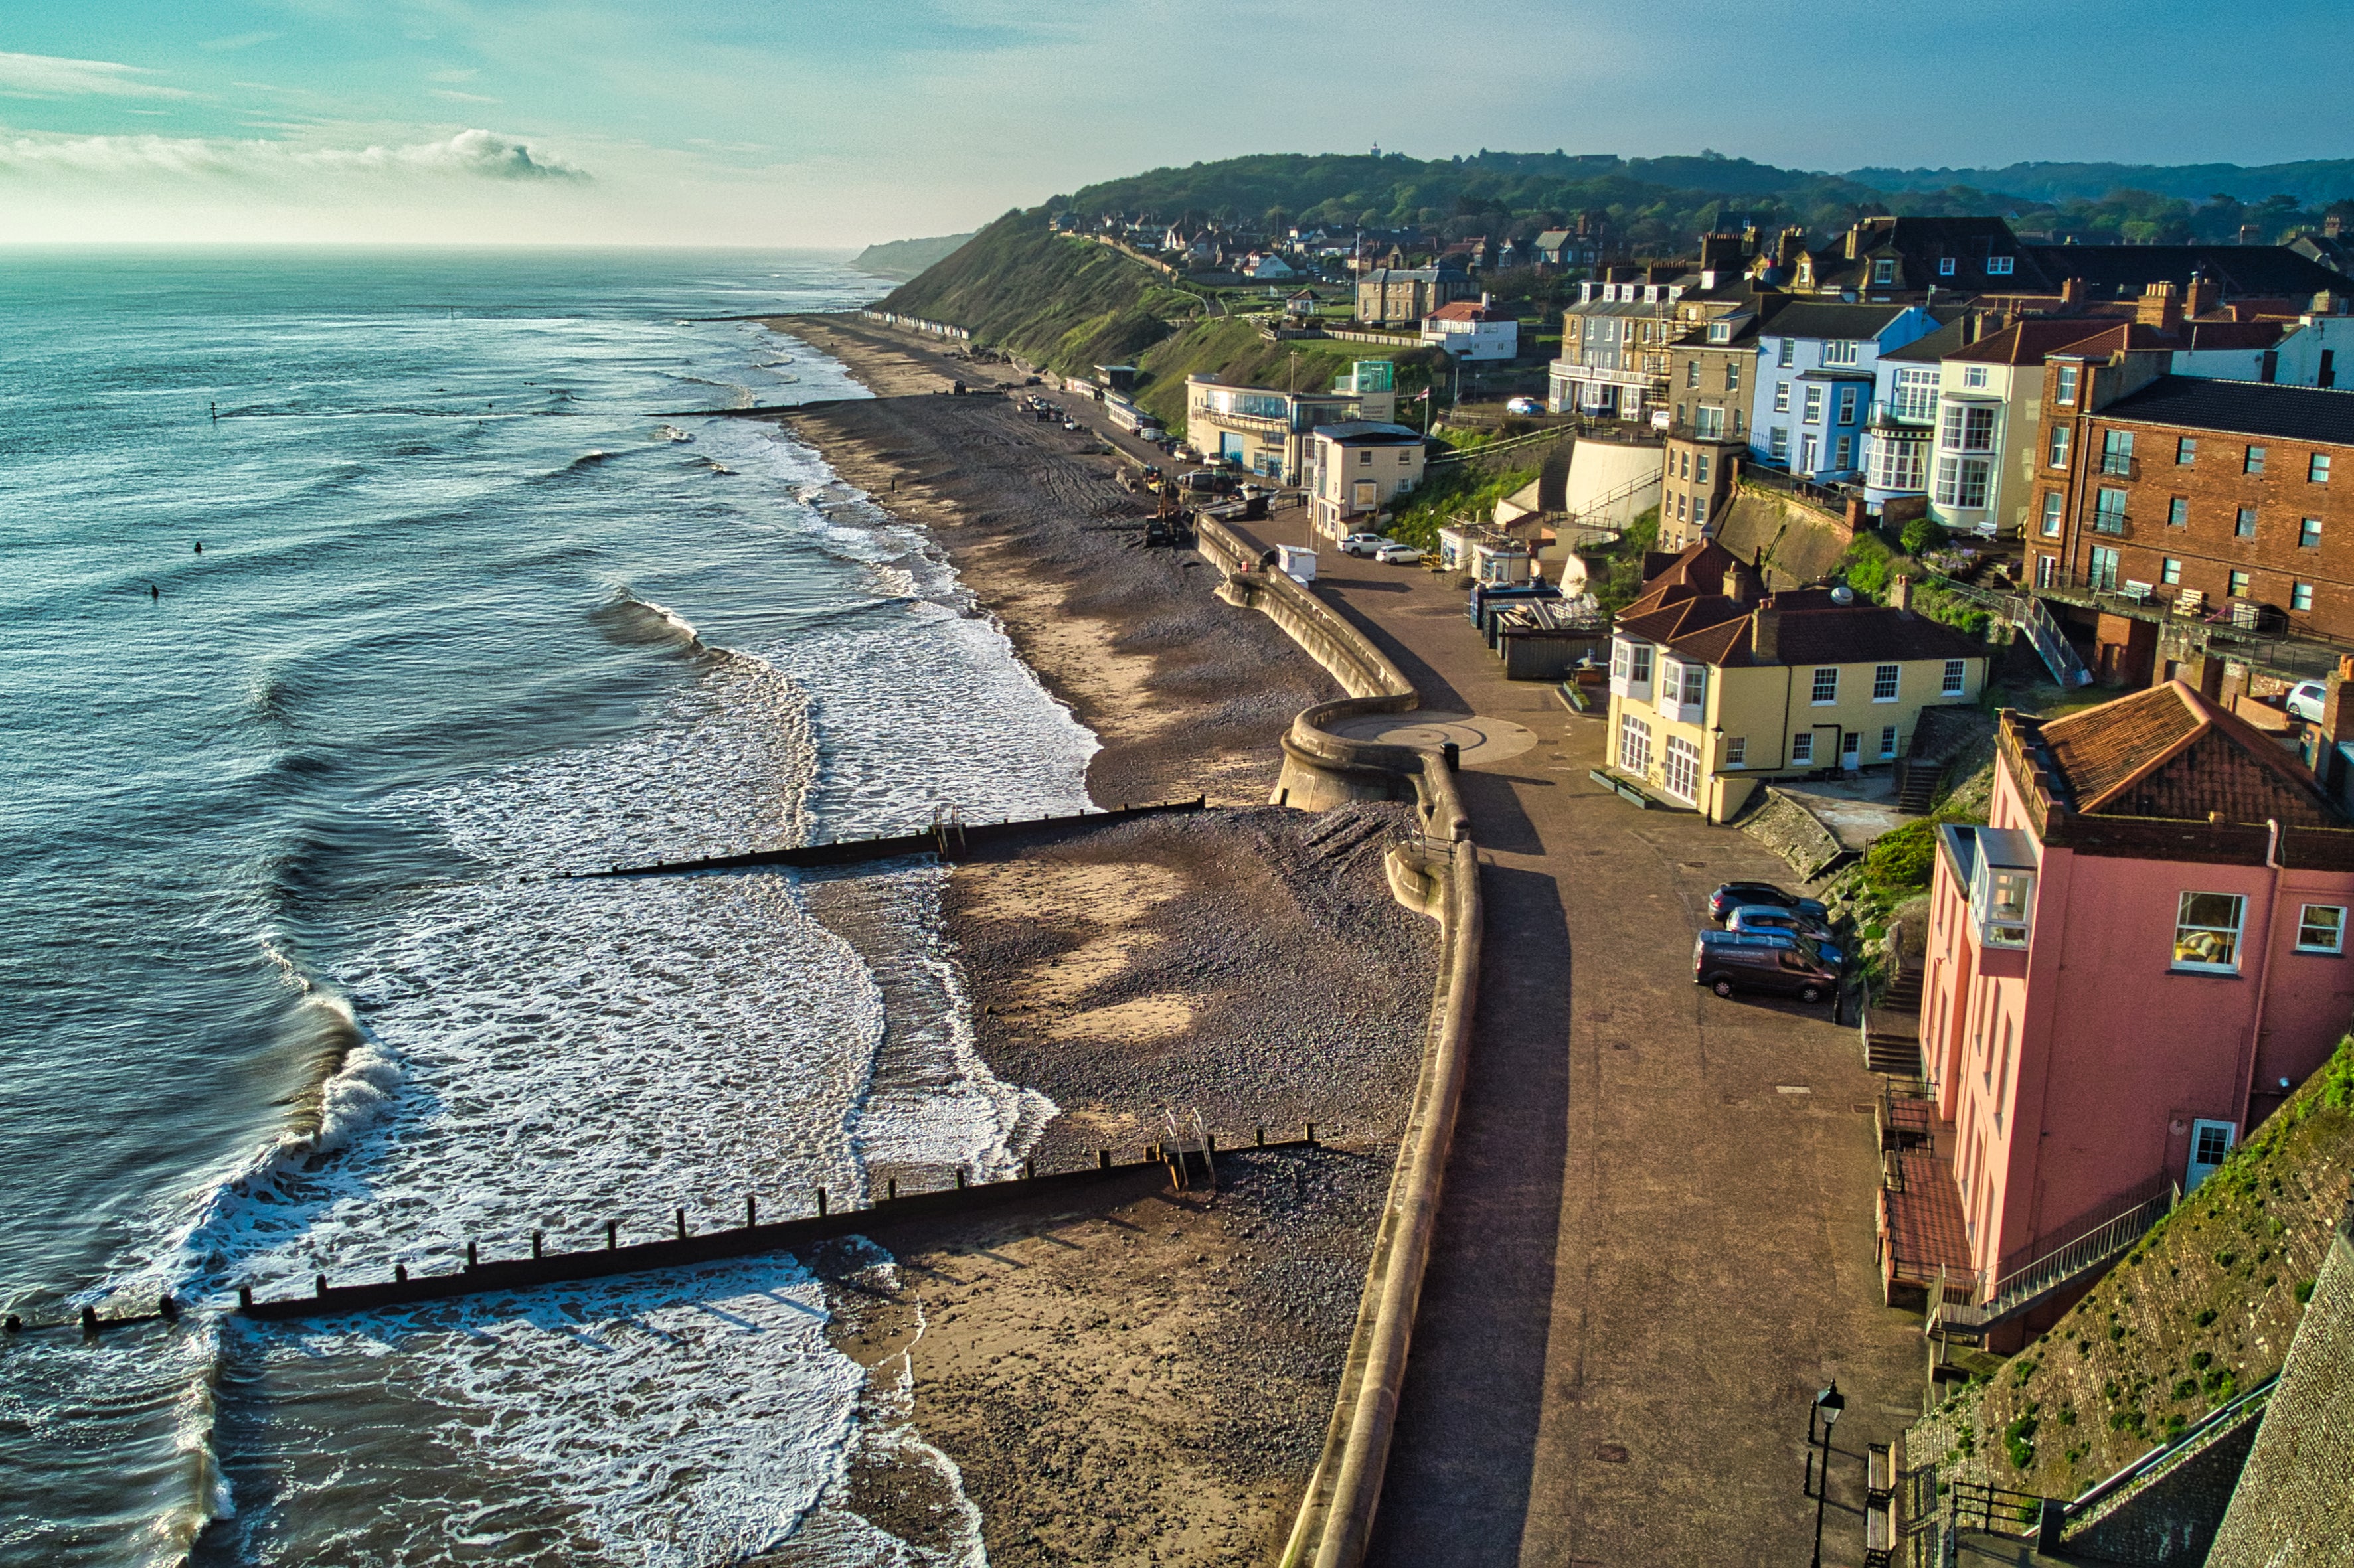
x=1883, y=270
x=1720, y=332
x=1999, y=266
x=1945, y=266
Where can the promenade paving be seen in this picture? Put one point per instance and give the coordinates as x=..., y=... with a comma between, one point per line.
x=1656, y=1237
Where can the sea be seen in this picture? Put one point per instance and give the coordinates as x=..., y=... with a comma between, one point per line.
x=286, y=987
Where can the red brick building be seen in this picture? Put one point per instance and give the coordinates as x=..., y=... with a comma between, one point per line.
x=2171, y=500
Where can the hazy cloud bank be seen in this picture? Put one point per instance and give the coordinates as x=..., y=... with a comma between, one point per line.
x=469, y=155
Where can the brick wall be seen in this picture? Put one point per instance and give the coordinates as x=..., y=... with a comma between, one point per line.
x=2169, y=1522
x=2206, y=545
x=2294, y=1502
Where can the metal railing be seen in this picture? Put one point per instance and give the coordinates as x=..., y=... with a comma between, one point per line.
x=1833, y=496
x=1994, y=1511
x=2022, y=1287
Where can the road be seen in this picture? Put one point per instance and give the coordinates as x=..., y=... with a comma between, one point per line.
x=1656, y=1238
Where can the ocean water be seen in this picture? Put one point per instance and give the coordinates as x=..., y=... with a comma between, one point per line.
x=284, y=991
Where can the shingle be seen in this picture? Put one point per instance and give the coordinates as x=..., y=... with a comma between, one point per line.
x=2243, y=408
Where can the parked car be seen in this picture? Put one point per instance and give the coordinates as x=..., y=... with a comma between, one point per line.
x=1523, y=406
x=1728, y=961
x=1734, y=894
x=1362, y=544
x=1751, y=919
x=1398, y=556
x=2306, y=698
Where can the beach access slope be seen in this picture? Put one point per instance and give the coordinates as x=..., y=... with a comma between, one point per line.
x=1150, y=1383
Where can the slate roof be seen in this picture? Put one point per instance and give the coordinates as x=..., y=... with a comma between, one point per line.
x=1810, y=318
x=2322, y=416
x=1936, y=346
x=1369, y=432
x=2170, y=753
x=2029, y=341
x=2127, y=269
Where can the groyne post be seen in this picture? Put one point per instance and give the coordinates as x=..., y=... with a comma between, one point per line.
x=682, y=1224
x=612, y=1235
x=751, y=1210
x=821, y=1202
x=474, y=1259
x=536, y=1251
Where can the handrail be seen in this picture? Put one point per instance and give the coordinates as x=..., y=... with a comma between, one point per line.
x=2157, y=1457
x=2063, y=1263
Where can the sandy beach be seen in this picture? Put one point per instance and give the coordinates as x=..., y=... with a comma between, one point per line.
x=1147, y=1383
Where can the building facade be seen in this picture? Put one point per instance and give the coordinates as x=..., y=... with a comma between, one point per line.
x=1356, y=469
x=1710, y=375
x=1401, y=296
x=2198, y=498
x=2134, y=962
x=1267, y=431
x=1473, y=330
x=1816, y=370
x=1717, y=688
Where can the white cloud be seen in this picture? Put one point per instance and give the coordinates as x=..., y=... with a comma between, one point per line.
x=468, y=156
x=50, y=76
x=454, y=96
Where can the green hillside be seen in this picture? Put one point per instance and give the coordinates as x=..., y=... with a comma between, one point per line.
x=900, y=260
x=2202, y=1309
x=1235, y=352
x=1052, y=299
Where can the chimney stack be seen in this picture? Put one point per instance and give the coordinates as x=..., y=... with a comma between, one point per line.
x=1900, y=593
x=2159, y=308
x=2203, y=297
x=2071, y=292
x=1765, y=633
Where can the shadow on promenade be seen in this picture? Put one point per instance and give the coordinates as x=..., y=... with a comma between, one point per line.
x=1460, y=1464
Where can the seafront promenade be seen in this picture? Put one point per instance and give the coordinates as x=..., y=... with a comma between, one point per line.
x=1655, y=1239
x=1654, y=1235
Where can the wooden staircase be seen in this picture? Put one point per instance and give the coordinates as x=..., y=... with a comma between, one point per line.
x=1892, y=1027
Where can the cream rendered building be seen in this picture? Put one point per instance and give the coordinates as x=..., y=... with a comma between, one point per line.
x=1982, y=456
x=1717, y=687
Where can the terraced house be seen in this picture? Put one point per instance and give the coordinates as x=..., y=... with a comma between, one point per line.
x=1717, y=687
x=2133, y=963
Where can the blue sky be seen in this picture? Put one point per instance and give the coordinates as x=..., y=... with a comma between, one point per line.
x=813, y=121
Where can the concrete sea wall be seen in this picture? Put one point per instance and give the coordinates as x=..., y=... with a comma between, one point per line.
x=1438, y=874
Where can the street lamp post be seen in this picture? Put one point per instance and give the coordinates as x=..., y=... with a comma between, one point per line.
x=1828, y=1407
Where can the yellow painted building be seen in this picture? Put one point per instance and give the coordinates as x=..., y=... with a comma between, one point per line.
x=1717, y=687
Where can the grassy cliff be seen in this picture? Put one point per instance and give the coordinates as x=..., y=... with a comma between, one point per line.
x=1235, y=352
x=1054, y=299
x=2202, y=1309
x=900, y=260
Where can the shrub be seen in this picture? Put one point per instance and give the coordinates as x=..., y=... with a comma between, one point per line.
x=1922, y=535
x=1903, y=857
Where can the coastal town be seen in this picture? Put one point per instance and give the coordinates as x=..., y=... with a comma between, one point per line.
x=1821, y=643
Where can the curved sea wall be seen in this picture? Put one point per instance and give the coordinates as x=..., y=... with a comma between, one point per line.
x=1438, y=874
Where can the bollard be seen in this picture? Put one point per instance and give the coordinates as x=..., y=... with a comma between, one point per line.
x=960, y=1178
x=89, y=1320
x=682, y=1224
x=751, y=1210
x=891, y=1188
x=821, y=1202
x=318, y=1286
x=1029, y=1169
x=1311, y=1135
x=1262, y=1137
x=471, y=1259
x=400, y=1273
x=612, y=1231
x=168, y=1308
x=1103, y=1158
x=535, y=1244
x=245, y=1298
x=1452, y=755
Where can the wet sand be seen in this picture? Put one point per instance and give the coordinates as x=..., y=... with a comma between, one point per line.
x=1150, y=1383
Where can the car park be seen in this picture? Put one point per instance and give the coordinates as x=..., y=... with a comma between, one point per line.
x=1362, y=544
x=1734, y=894
x=1752, y=919
x=2306, y=700
x=1729, y=962
x=1398, y=556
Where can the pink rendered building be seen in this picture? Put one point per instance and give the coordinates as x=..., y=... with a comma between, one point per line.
x=2128, y=967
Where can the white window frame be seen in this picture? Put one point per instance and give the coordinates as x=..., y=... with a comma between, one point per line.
x=1802, y=747
x=1823, y=691
x=1887, y=681
x=1634, y=747
x=1840, y=352
x=1737, y=751
x=1887, y=741
x=1999, y=266
x=2055, y=512
x=2300, y=596
x=1956, y=678
x=1974, y=376
x=1812, y=412
x=2207, y=937
x=2328, y=935
x=1680, y=769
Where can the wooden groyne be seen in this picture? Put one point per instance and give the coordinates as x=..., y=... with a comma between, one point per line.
x=949, y=839
x=683, y=1247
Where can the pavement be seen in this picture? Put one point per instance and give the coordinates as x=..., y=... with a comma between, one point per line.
x=1656, y=1236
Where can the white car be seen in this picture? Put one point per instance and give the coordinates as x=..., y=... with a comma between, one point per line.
x=1523, y=406
x=2306, y=700
x=1398, y=556
x=1363, y=544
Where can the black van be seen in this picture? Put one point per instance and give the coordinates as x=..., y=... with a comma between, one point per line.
x=1727, y=961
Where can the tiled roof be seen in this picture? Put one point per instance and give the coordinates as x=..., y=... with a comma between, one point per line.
x=2029, y=341
x=1471, y=311
x=2169, y=752
x=2243, y=408
x=1684, y=607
